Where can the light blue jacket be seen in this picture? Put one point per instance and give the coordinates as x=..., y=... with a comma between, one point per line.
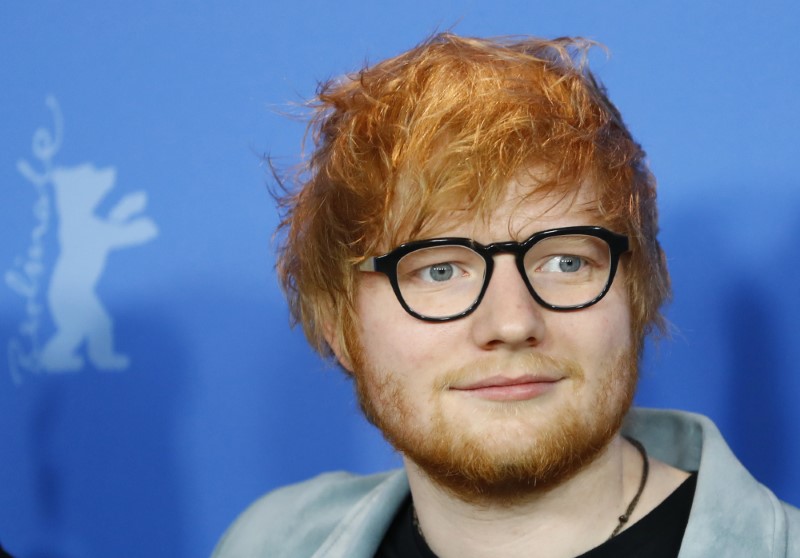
x=339, y=515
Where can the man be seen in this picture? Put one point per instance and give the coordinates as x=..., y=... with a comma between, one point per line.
x=474, y=241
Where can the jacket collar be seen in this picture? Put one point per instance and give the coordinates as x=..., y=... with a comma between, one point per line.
x=732, y=514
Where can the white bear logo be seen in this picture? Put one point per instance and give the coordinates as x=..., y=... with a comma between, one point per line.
x=85, y=240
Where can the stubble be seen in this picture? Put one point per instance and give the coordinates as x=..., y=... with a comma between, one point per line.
x=515, y=450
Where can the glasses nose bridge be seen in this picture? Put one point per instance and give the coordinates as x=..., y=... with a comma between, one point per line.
x=508, y=247
x=517, y=249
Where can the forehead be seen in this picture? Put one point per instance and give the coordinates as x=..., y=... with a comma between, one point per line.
x=523, y=209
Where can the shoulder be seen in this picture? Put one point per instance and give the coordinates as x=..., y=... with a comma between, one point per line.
x=793, y=521
x=297, y=519
x=732, y=514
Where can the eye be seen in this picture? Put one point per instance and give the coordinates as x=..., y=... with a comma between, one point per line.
x=440, y=272
x=439, y=267
x=563, y=263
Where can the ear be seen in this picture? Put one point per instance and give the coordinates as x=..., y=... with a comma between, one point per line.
x=336, y=343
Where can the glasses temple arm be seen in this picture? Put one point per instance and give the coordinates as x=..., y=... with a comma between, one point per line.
x=367, y=265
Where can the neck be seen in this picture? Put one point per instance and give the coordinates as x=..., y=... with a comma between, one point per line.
x=565, y=520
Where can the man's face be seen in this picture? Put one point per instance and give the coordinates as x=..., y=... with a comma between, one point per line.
x=513, y=397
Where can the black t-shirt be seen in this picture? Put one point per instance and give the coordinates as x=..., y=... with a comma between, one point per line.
x=656, y=535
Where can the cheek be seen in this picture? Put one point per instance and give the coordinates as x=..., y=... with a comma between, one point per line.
x=615, y=325
x=392, y=339
x=618, y=319
x=597, y=334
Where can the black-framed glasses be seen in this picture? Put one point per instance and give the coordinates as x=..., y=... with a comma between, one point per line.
x=444, y=279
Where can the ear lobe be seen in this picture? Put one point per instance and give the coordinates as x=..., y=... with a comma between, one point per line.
x=336, y=343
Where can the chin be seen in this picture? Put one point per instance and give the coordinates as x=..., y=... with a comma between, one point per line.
x=486, y=451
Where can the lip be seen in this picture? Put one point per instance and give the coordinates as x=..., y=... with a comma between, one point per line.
x=503, y=388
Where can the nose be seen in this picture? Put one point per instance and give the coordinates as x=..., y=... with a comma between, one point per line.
x=508, y=316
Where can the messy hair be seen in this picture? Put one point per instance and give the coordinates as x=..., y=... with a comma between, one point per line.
x=446, y=126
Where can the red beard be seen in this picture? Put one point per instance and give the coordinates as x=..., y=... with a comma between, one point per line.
x=469, y=465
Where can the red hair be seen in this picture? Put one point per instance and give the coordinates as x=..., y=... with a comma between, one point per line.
x=446, y=125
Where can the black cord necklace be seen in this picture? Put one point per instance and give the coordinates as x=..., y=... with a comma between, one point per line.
x=623, y=519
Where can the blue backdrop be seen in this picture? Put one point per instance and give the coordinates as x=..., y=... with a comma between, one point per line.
x=149, y=385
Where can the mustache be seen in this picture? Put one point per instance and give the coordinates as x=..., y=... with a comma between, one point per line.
x=527, y=364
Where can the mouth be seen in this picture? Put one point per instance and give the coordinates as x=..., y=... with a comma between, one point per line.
x=503, y=388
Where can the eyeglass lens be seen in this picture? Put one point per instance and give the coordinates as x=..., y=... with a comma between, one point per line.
x=565, y=271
